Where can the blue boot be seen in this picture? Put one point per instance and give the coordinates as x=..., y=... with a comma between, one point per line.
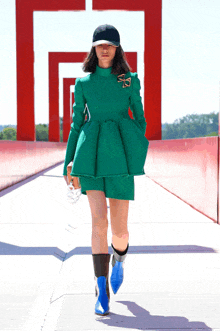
x=101, y=268
x=117, y=275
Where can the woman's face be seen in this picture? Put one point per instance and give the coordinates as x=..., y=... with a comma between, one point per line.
x=105, y=54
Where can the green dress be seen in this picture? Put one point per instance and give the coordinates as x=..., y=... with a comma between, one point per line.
x=109, y=143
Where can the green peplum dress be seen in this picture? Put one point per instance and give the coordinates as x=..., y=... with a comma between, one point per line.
x=108, y=144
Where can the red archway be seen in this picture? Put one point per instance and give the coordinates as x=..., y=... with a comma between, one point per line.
x=25, y=60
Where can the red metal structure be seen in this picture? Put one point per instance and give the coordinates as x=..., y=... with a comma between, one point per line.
x=54, y=59
x=25, y=61
x=67, y=82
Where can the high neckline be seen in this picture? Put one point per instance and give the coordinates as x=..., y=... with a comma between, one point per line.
x=103, y=71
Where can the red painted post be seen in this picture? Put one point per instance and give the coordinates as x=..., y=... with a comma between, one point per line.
x=25, y=71
x=67, y=113
x=25, y=60
x=131, y=58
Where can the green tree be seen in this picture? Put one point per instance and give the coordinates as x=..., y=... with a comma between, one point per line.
x=61, y=123
x=212, y=134
x=41, y=132
x=191, y=126
x=9, y=133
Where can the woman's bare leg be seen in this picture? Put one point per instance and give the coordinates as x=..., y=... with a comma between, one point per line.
x=98, y=206
x=119, y=219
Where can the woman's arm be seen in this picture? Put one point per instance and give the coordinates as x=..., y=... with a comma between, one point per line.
x=78, y=120
x=136, y=104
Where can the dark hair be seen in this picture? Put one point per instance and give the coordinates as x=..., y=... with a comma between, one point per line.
x=119, y=66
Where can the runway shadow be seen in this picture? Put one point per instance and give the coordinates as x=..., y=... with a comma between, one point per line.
x=160, y=249
x=143, y=320
x=9, y=249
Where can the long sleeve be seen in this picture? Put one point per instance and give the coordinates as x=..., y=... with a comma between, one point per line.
x=78, y=120
x=136, y=105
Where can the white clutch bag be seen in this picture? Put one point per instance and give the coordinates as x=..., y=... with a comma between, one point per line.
x=73, y=188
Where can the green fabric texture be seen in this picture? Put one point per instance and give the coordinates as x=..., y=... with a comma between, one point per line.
x=108, y=143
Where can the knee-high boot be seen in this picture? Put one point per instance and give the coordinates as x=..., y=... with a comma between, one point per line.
x=101, y=270
x=117, y=275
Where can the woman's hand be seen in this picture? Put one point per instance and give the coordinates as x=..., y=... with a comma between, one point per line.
x=75, y=181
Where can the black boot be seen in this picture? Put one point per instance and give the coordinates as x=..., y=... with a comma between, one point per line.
x=101, y=270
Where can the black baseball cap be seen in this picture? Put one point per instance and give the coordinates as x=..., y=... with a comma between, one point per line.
x=106, y=34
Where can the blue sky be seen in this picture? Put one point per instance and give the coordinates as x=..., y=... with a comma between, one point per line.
x=190, y=54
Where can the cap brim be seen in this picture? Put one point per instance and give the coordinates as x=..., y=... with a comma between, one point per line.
x=99, y=42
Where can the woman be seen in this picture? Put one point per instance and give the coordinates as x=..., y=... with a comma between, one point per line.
x=107, y=150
